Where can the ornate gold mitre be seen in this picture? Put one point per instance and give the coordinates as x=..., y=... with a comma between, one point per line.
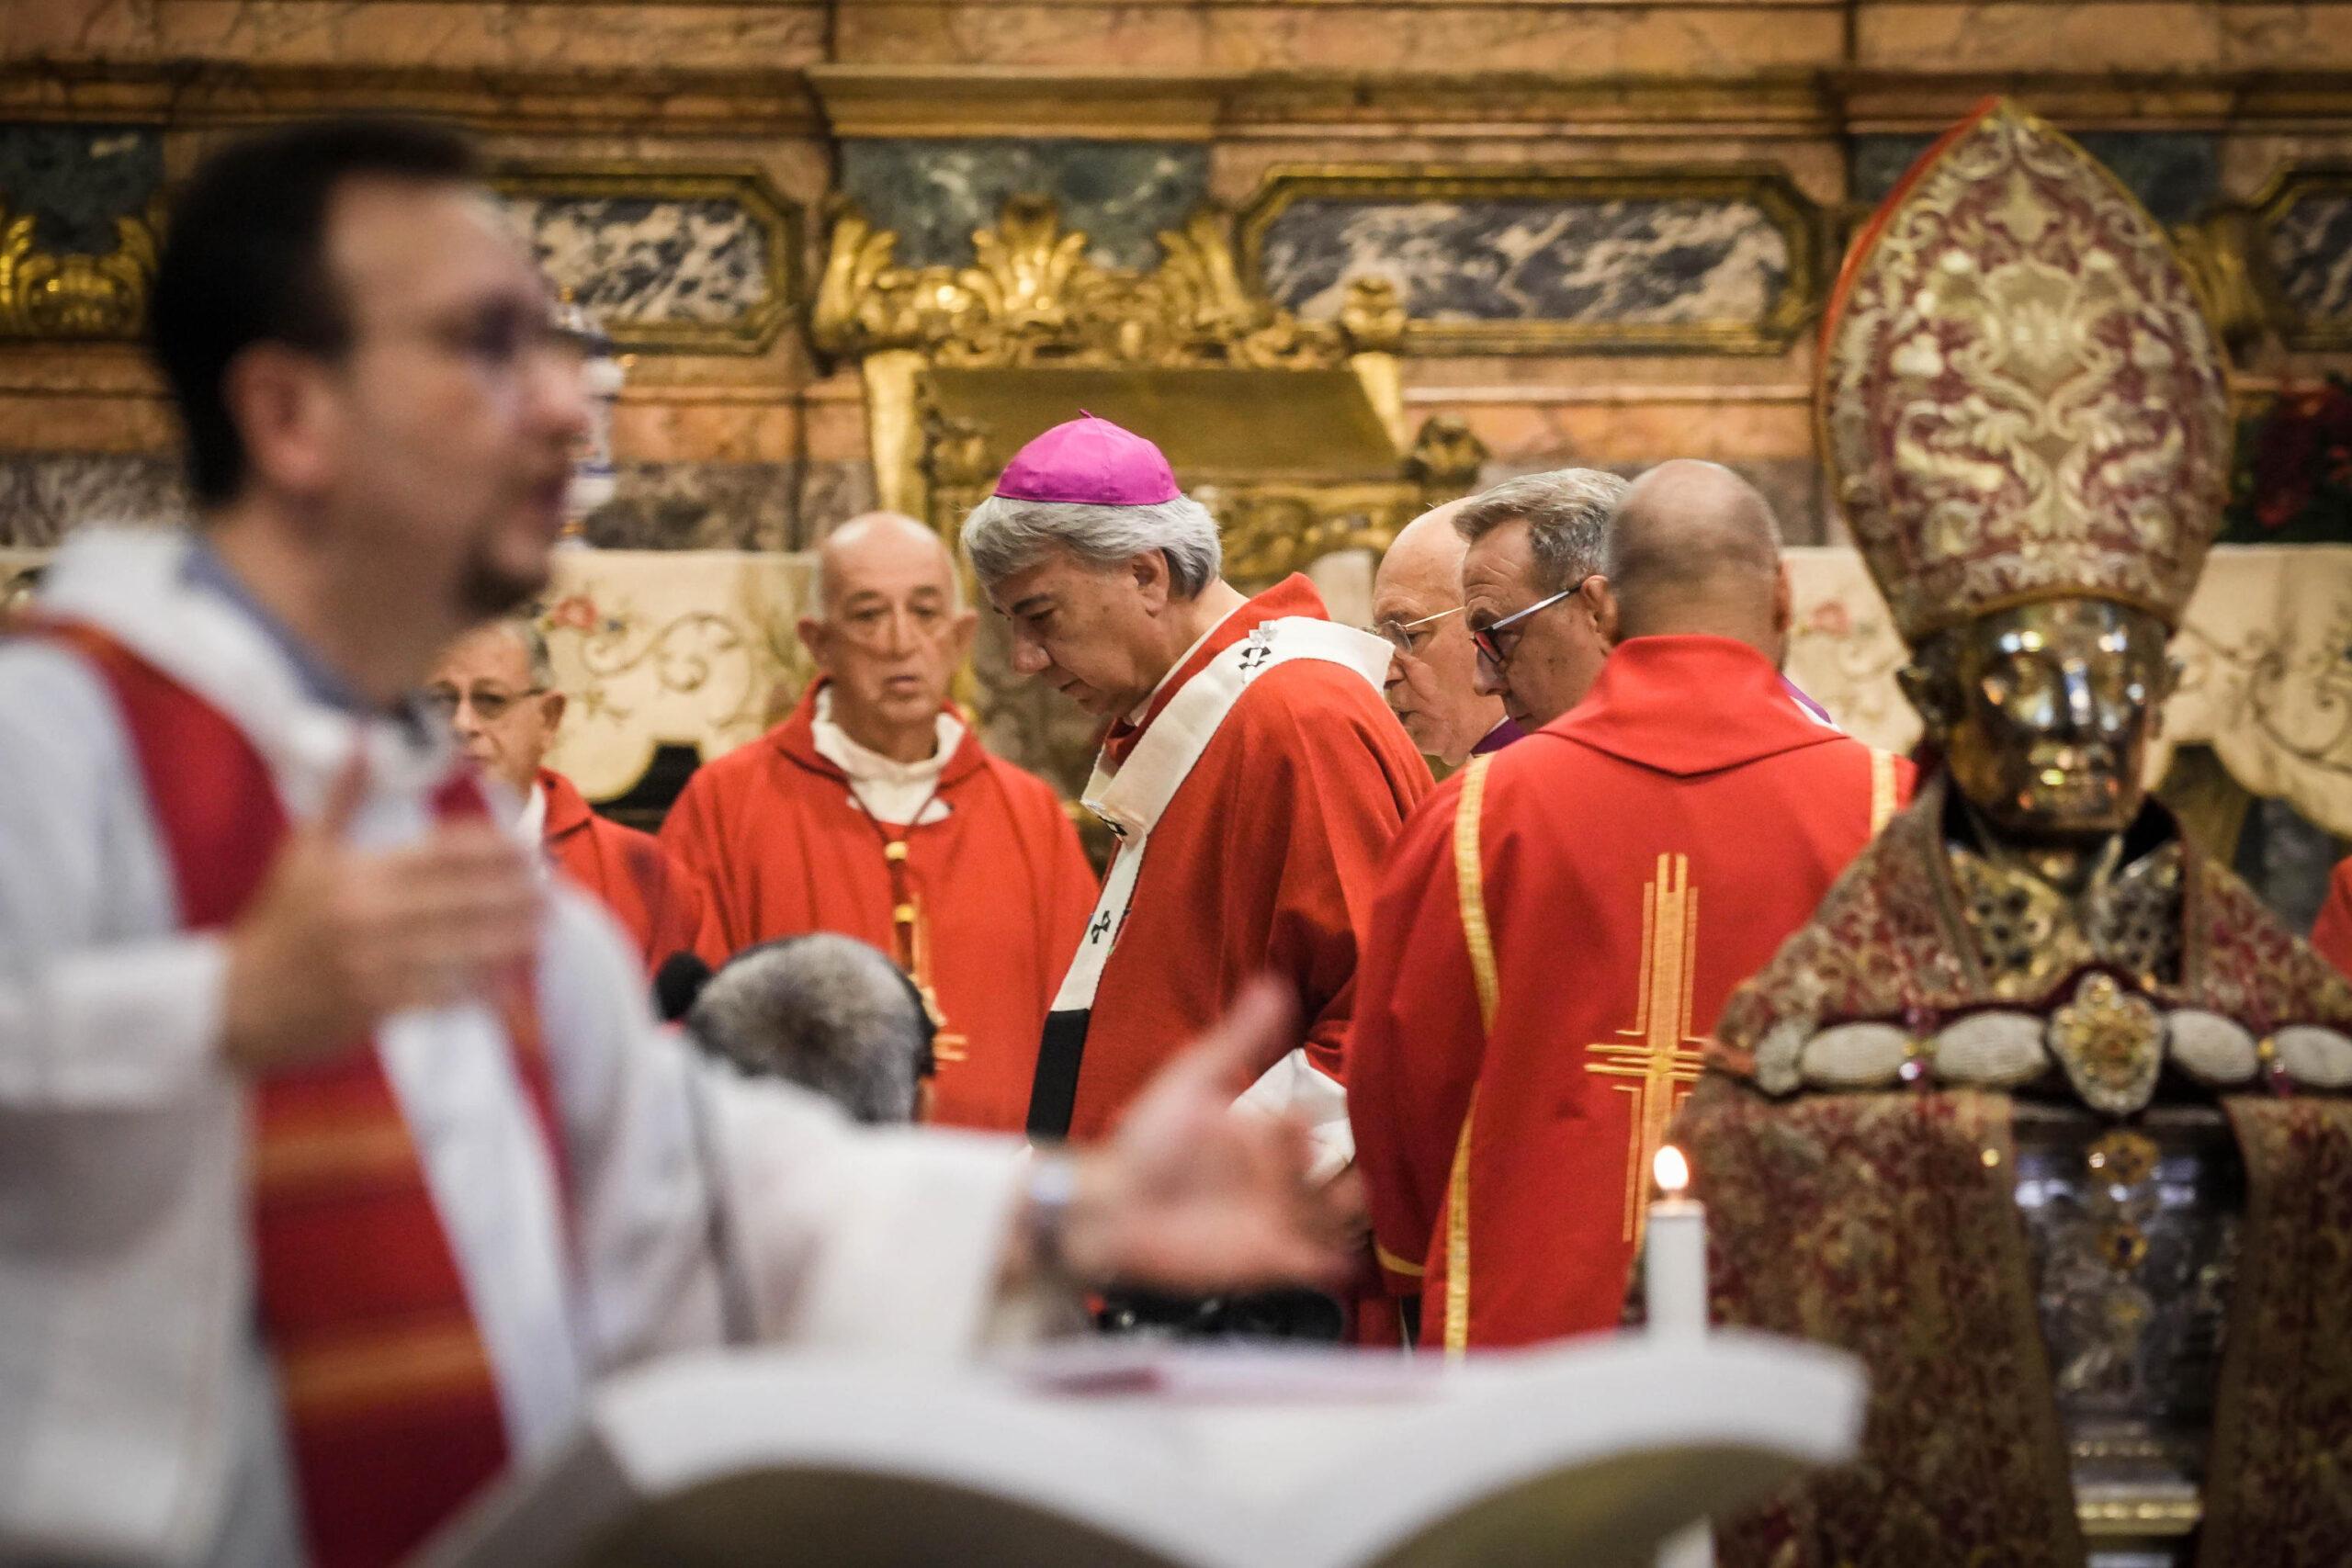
x=2020, y=396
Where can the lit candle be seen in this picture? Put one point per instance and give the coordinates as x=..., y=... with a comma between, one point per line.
x=1673, y=1251
x=1674, y=1287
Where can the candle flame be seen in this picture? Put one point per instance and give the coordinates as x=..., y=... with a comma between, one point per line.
x=1672, y=1171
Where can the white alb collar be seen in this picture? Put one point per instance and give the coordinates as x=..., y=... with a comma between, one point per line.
x=131, y=584
x=864, y=765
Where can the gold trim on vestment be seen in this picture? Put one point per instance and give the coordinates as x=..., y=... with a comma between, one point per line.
x=1394, y=1264
x=1470, y=884
x=397, y=1367
x=357, y=1146
x=1884, y=789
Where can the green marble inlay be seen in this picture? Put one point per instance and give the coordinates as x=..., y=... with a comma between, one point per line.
x=934, y=194
x=2176, y=174
x=77, y=179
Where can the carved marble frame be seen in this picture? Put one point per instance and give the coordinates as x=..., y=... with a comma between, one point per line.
x=745, y=185
x=2277, y=197
x=1764, y=186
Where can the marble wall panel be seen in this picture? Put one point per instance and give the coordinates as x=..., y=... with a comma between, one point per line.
x=831, y=492
x=551, y=35
x=934, y=194
x=785, y=505
x=675, y=259
x=2309, y=246
x=2176, y=174
x=1663, y=37
x=1633, y=263
x=1934, y=35
x=46, y=495
x=636, y=261
x=77, y=179
x=699, y=506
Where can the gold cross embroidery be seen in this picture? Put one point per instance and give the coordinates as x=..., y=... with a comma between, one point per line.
x=1664, y=1056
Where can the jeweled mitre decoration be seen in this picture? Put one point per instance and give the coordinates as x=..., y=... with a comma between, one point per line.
x=2020, y=396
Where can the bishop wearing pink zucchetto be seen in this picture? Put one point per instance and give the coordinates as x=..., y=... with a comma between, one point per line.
x=1252, y=774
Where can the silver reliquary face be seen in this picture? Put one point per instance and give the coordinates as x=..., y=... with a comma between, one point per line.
x=2045, y=712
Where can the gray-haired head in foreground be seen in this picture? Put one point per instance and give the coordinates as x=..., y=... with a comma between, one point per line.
x=824, y=1011
x=1566, y=511
x=1003, y=536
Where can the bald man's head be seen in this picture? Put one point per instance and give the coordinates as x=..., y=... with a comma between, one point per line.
x=1693, y=549
x=1417, y=604
x=891, y=537
x=889, y=628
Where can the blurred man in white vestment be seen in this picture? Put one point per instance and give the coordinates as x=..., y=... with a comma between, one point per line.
x=338, y=1155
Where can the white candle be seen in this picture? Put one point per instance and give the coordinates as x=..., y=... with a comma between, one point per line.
x=1674, y=1289
x=1673, y=1251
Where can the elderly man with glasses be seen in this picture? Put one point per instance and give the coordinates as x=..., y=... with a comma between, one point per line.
x=496, y=688
x=1417, y=607
x=1531, y=587
x=1560, y=925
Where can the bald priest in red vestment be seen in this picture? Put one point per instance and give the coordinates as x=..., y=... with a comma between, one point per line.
x=872, y=811
x=497, y=689
x=1563, y=921
x=1252, y=774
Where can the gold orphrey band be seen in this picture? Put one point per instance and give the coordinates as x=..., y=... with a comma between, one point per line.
x=1470, y=885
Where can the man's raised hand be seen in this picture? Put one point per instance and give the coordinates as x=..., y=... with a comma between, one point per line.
x=339, y=939
x=1189, y=1197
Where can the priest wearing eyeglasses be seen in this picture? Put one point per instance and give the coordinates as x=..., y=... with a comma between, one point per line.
x=1560, y=924
x=1417, y=608
x=496, y=689
x=1531, y=587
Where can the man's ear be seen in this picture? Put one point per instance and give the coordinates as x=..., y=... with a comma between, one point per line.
x=1149, y=569
x=285, y=416
x=812, y=633
x=961, y=627
x=1602, y=600
x=1784, y=604
x=551, y=706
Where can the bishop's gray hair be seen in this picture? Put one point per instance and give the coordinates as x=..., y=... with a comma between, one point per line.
x=1003, y=535
x=825, y=1012
x=1567, y=513
x=524, y=630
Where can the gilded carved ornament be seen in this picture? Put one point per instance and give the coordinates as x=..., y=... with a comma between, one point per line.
x=51, y=294
x=1032, y=297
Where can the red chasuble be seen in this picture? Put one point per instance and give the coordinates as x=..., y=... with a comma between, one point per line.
x=2332, y=934
x=655, y=897
x=982, y=907
x=1557, y=931
x=392, y=1413
x=1266, y=861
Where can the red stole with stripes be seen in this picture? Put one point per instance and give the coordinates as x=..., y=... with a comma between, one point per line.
x=391, y=1408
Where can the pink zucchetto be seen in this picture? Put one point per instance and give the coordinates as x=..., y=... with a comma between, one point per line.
x=1090, y=462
